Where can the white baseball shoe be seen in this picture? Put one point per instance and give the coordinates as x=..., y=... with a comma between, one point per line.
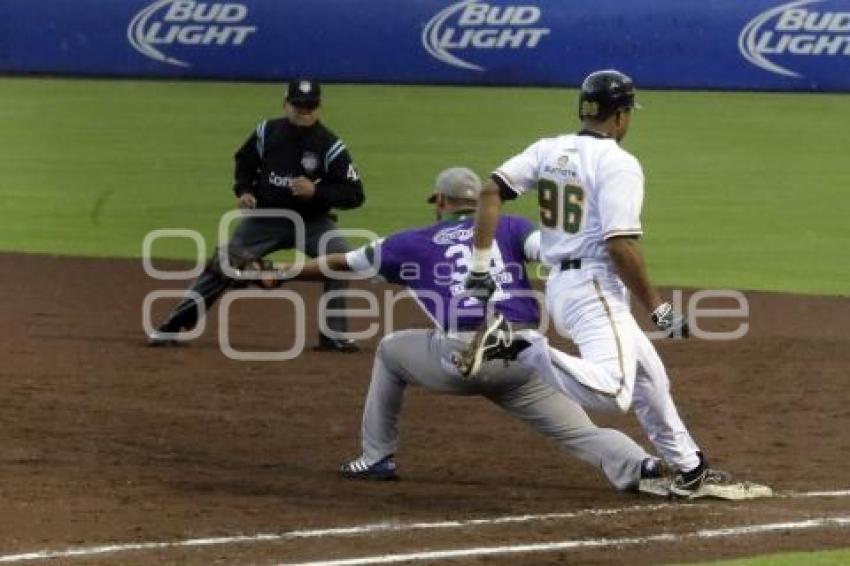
x=704, y=481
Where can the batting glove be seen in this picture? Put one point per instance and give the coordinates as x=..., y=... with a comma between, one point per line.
x=480, y=285
x=673, y=323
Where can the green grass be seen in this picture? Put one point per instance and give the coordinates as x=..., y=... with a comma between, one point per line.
x=821, y=558
x=744, y=190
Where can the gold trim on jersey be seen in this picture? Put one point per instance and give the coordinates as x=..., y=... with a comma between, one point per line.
x=626, y=232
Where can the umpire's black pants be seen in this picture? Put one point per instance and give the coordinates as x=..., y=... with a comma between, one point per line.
x=255, y=238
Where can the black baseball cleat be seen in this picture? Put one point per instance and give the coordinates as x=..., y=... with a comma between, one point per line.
x=653, y=468
x=493, y=341
x=358, y=469
x=344, y=345
x=164, y=336
x=156, y=339
x=704, y=481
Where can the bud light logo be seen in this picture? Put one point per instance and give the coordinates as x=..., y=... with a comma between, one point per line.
x=795, y=32
x=167, y=24
x=470, y=25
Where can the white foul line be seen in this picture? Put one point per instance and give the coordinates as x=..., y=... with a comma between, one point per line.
x=806, y=494
x=370, y=528
x=579, y=544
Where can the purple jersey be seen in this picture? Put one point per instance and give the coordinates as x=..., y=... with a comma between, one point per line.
x=434, y=262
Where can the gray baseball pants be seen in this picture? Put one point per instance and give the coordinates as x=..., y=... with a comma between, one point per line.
x=255, y=238
x=422, y=357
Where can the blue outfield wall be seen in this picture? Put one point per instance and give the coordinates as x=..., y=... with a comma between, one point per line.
x=723, y=44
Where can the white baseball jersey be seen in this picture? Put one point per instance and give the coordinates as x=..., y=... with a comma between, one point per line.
x=589, y=190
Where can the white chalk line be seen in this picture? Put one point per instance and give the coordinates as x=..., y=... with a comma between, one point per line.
x=580, y=544
x=369, y=528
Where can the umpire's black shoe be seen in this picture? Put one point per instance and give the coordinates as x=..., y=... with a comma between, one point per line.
x=165, y=335
x=344, y=345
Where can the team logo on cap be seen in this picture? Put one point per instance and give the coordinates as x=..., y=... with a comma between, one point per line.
x=305, y=87
x=589, y=108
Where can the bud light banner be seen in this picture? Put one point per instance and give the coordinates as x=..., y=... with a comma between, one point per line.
x=710, y=44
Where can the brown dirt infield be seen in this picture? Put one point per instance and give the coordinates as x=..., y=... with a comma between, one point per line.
x=103, y=440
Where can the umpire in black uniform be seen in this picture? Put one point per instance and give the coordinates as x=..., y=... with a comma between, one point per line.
x=292, y=163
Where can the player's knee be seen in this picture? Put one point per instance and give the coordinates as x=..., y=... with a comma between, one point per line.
x=383, y=345
x=624, y=401
x=386, y=350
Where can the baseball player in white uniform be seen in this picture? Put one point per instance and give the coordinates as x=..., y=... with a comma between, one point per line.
x=590, y=192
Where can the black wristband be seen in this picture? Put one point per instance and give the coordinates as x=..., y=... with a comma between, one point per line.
x=505, y=191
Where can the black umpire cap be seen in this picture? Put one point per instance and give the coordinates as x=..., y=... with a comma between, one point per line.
x=304, y=92
x=605, y=92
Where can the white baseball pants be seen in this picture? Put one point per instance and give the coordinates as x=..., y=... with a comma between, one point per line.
x=619, y=368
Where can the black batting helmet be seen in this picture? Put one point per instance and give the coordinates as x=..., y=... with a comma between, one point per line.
x=605, y=92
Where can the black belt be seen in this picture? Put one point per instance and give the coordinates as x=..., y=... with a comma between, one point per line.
x=567, y=264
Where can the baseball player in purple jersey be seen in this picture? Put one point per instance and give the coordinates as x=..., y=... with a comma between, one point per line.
x=433, y=262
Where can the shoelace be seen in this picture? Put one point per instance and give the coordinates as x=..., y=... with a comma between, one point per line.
x=717, y=477
x=501, y=339
x=358, y=466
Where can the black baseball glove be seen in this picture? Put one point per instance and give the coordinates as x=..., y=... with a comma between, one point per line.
x=269, y=276
x=480, y=284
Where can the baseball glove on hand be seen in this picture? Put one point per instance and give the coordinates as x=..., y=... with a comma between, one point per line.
x=480, y=285
x=673, y=323
x=269, y=276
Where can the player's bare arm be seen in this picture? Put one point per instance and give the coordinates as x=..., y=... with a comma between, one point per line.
x=627, y=256
x=487, y=216
x=479, y=283
x=273, y=275
x=628, y=259
x=312, y=270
